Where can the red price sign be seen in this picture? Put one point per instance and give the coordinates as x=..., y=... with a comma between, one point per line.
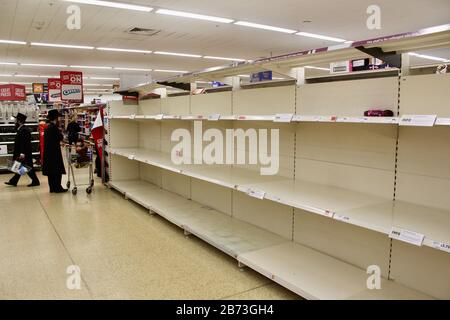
x=72, y=86
x=54, y=89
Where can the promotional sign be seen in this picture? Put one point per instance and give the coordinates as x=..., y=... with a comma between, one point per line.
x=261, y=76
x=12, y=92
x=54, y=90
x=97, y=134
x=42, y=127
x=72, y=86
x=40, y=88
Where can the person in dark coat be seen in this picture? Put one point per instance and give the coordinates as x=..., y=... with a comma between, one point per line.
x=23, y=152
x=73, y=129
x=53, y=164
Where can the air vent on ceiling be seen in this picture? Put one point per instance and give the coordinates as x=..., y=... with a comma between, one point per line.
x=143, y=31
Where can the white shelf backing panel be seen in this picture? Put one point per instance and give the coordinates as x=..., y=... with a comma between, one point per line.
x=421, y=268
x=348, y=156
x=348, y=98
x=281, y=152
x=354, y=245
x=123, y=134
x=117, y=108
x=168, y=128
x=150, y=135
x=151, y=174
x=230, y=235
x=212, y=195
x=213, y=103
x=176, y=105
x=265, y=214
x=123, y=169
x=264, y=101
x=314, y=275
x=176, y=183
x=149, y=107
x=425, y=94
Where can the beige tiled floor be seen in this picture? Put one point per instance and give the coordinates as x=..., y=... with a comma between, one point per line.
x=123, y=253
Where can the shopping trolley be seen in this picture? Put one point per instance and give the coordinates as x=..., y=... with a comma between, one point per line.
x=77, y=161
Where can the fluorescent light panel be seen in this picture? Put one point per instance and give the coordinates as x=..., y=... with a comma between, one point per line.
x=178, y=54
x=55, y=45
x=6, y=75
x=319, y=36
x=132, y=69
x=125, y=50
x=44, y=65
x=102, y=78
x=9, y=63
x=265, y=27
x=117, y=5
x=170, y=71
x=91, y=67
x=193, y=16
x=13, y=42
x=424, y=56
x=317, y=68
x=223, y=58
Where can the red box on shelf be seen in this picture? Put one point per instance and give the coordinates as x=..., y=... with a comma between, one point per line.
x=12, y=92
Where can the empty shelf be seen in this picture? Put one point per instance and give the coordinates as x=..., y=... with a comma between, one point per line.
x=218, y=229
x=314, y=275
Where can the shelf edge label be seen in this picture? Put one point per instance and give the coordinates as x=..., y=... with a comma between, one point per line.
x=407, y=236
x=418, y=120
x=258, y=194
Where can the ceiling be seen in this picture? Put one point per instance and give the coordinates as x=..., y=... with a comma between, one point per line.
x=45, y=21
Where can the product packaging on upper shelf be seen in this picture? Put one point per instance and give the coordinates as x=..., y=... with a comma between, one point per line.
x=378, y=113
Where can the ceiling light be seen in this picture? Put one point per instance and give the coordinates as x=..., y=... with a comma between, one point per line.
x=32, y=76
x=170, y=71
x=6, y=75
x=9, y=63
x=110, y=4
x=222, y=58
x=44, y=65
x=54, y=45
x=132, y=69
x=317, y=68
x=318, y=36
x=97, y=85
x=244, y=76
x=102, y=78
x=178, y=54
x=423, y=56
x=265, y=27
x=13, y=42
x=193, y=16
x=89, y=89
x=125, y=50
x=91, y=67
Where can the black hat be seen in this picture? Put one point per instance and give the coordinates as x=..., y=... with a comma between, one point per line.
x=53, y=114
x=21, y=117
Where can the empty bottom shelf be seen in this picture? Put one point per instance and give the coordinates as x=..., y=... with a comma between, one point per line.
x=218, y=229
x=314, y=275
x=309, y=273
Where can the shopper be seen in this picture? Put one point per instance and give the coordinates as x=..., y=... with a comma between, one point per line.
x=53, y=166
x=73, y=129
x=23, y=152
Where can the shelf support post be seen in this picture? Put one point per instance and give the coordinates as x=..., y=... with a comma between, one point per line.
x=406, y=63
x=235, y=82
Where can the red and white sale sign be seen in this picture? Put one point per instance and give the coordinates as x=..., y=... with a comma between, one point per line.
x=12, y=92
x=54, y=90
x=72, y=86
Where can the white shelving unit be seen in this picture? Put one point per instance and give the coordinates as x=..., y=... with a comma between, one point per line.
x=351, y=191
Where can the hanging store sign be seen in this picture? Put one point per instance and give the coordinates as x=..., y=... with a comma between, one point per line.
x=54, y=90
x=72, y=86
x=12, y=92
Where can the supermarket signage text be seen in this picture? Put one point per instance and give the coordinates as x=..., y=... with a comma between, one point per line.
x=231, y=149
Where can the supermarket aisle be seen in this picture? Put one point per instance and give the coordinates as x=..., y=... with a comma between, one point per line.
x=123, y=253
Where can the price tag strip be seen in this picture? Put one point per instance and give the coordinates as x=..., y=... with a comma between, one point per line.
x=441, y=246
x=131, y=157
x=407, y=236
x=283, y=117
x=258, y=194
x=418, y=120
x=443, y=122
x=341, y=217
x=159, y=117
x=214, y=117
